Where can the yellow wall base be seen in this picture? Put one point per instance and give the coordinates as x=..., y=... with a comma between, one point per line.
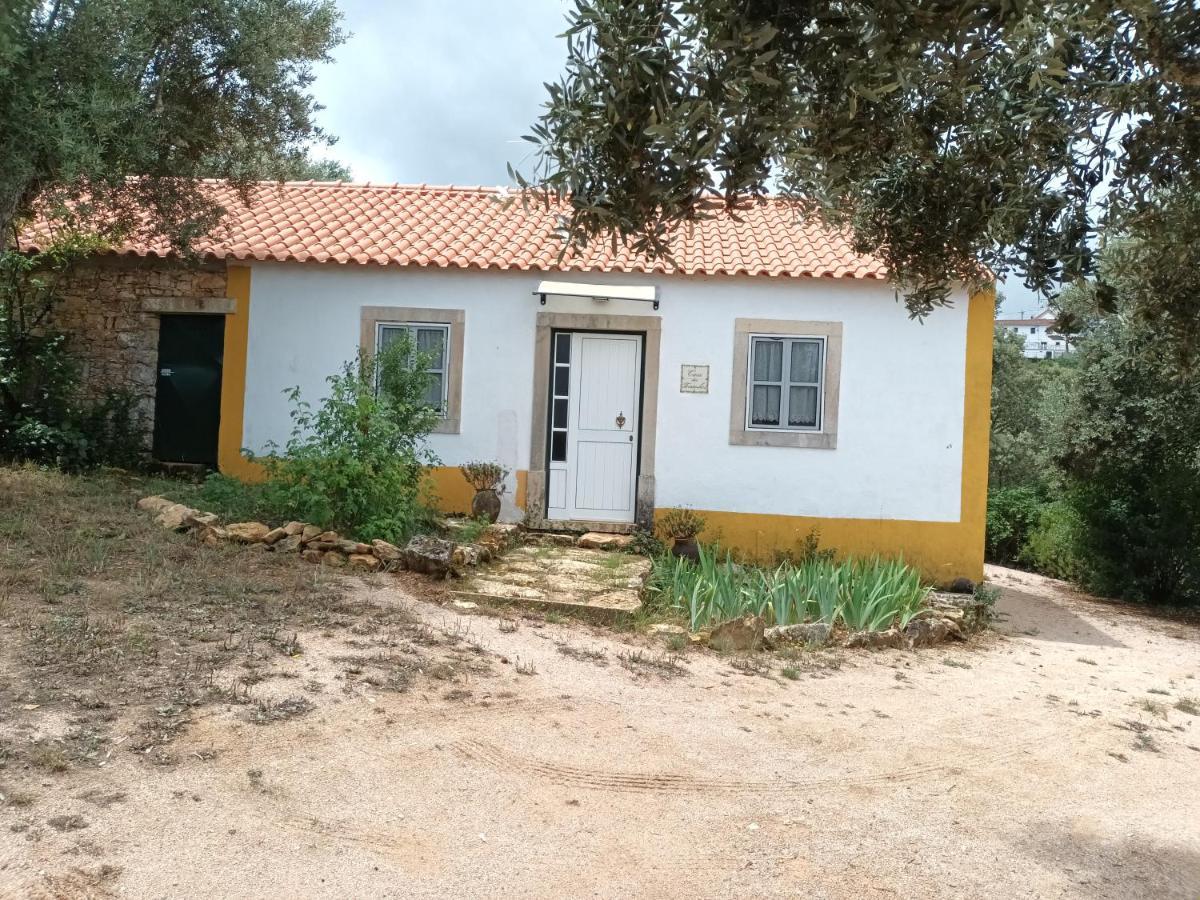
x=942, y=551
x=453, y=495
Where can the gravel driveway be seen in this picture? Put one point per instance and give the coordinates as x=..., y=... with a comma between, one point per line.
x=1054, y=759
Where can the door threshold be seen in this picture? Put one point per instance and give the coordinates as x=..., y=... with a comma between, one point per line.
x=579, y=526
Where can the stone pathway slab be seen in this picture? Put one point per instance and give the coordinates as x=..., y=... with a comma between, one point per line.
x=598, y=583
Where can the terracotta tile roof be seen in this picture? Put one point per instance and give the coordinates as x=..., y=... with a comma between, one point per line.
x=471, y=228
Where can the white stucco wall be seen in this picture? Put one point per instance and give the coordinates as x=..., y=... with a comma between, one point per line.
x=899, y=448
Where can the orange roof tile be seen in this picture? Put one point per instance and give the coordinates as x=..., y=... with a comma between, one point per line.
x=472, y=228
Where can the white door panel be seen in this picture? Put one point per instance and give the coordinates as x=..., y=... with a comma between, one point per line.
x=608, y=476
x=597, y=479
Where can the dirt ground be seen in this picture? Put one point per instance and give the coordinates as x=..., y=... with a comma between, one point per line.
x=1058, y=758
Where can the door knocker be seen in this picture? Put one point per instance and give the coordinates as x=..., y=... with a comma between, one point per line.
x=620, y=420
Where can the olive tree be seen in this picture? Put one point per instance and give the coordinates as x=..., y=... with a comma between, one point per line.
x=950, y=138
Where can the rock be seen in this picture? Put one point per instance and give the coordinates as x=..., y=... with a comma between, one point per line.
x=737, y=635
x=928, y=630
x=351, y=548
x=366, y=562
x=811, y=634
x=201, y=519
x=213, y=535
x=500, y=537
x=961, y=586
x=665, y=629
x=175, y=516
x=970, y=613
x=309, y=533
x=292, y=528
x=468, y=555
x=334, y=558
x=289, y=544
x=431, y=555
x=323, y=546
x=388, y=553
x=552, y=539
x=274, y=536
x=248, y=532
x=328, y=537
x=154, y=504
x=312, y=556
x=877, y=639
x=595, y=540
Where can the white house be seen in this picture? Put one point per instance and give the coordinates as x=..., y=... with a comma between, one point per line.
x=1042, y=339
x=764, y=375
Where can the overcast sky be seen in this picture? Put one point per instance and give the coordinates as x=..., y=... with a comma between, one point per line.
x=441, y=92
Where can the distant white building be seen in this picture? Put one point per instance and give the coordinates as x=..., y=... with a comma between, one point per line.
x=1042, y=341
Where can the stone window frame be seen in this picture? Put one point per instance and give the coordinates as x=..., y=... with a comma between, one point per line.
x=825, y=439
x=455, y=319
x=650, y=327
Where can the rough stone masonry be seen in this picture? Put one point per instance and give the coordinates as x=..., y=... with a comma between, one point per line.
x=110, y=310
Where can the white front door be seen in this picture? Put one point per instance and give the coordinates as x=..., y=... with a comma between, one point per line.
x=595, y=388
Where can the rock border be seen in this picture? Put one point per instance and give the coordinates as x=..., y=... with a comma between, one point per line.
x=428, y=554
x=948, y=617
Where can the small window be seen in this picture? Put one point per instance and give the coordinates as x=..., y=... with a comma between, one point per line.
x=560, y=400
x=432, y=340
x=785, y=383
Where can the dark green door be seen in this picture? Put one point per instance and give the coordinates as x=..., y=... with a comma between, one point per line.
x=187, y=406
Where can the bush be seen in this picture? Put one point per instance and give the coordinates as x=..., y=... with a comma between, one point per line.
x=1051, y=546
x=1132, y=469
x=43, y=418
x=355, y=463
x=1012, y=515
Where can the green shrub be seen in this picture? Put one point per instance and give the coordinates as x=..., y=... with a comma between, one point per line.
x=355, y=463
x=864, y=595
x=1012, y=515
x=45, y=420
x=1051, y=546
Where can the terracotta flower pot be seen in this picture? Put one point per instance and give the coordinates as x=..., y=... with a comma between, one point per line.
x=486, y=505
x=686, y=548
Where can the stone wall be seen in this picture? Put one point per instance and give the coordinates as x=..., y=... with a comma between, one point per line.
x=109, y=310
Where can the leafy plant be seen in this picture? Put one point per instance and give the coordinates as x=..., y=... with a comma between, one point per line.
x=44, y=416
x=1012, y=515
x=681, y=524
x=168, y=92
x=946, y=139
x=355, y=463
x=867, y=595
x=485, y=476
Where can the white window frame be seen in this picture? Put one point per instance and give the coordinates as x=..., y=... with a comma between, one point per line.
x=444, y=370
x=785, y=384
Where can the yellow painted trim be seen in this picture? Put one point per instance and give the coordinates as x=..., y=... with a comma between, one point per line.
x=233, y=380
x=942, y=551
x=453, y=495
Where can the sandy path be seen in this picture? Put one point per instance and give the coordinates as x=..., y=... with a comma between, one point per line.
x=1006, y=769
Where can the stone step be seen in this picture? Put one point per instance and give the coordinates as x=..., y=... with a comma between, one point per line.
x=596, y=583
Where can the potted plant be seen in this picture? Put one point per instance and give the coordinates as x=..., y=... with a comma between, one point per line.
x=682, y=526
x=488, y=480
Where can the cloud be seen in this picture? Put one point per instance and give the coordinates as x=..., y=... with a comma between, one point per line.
x=439, y=92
